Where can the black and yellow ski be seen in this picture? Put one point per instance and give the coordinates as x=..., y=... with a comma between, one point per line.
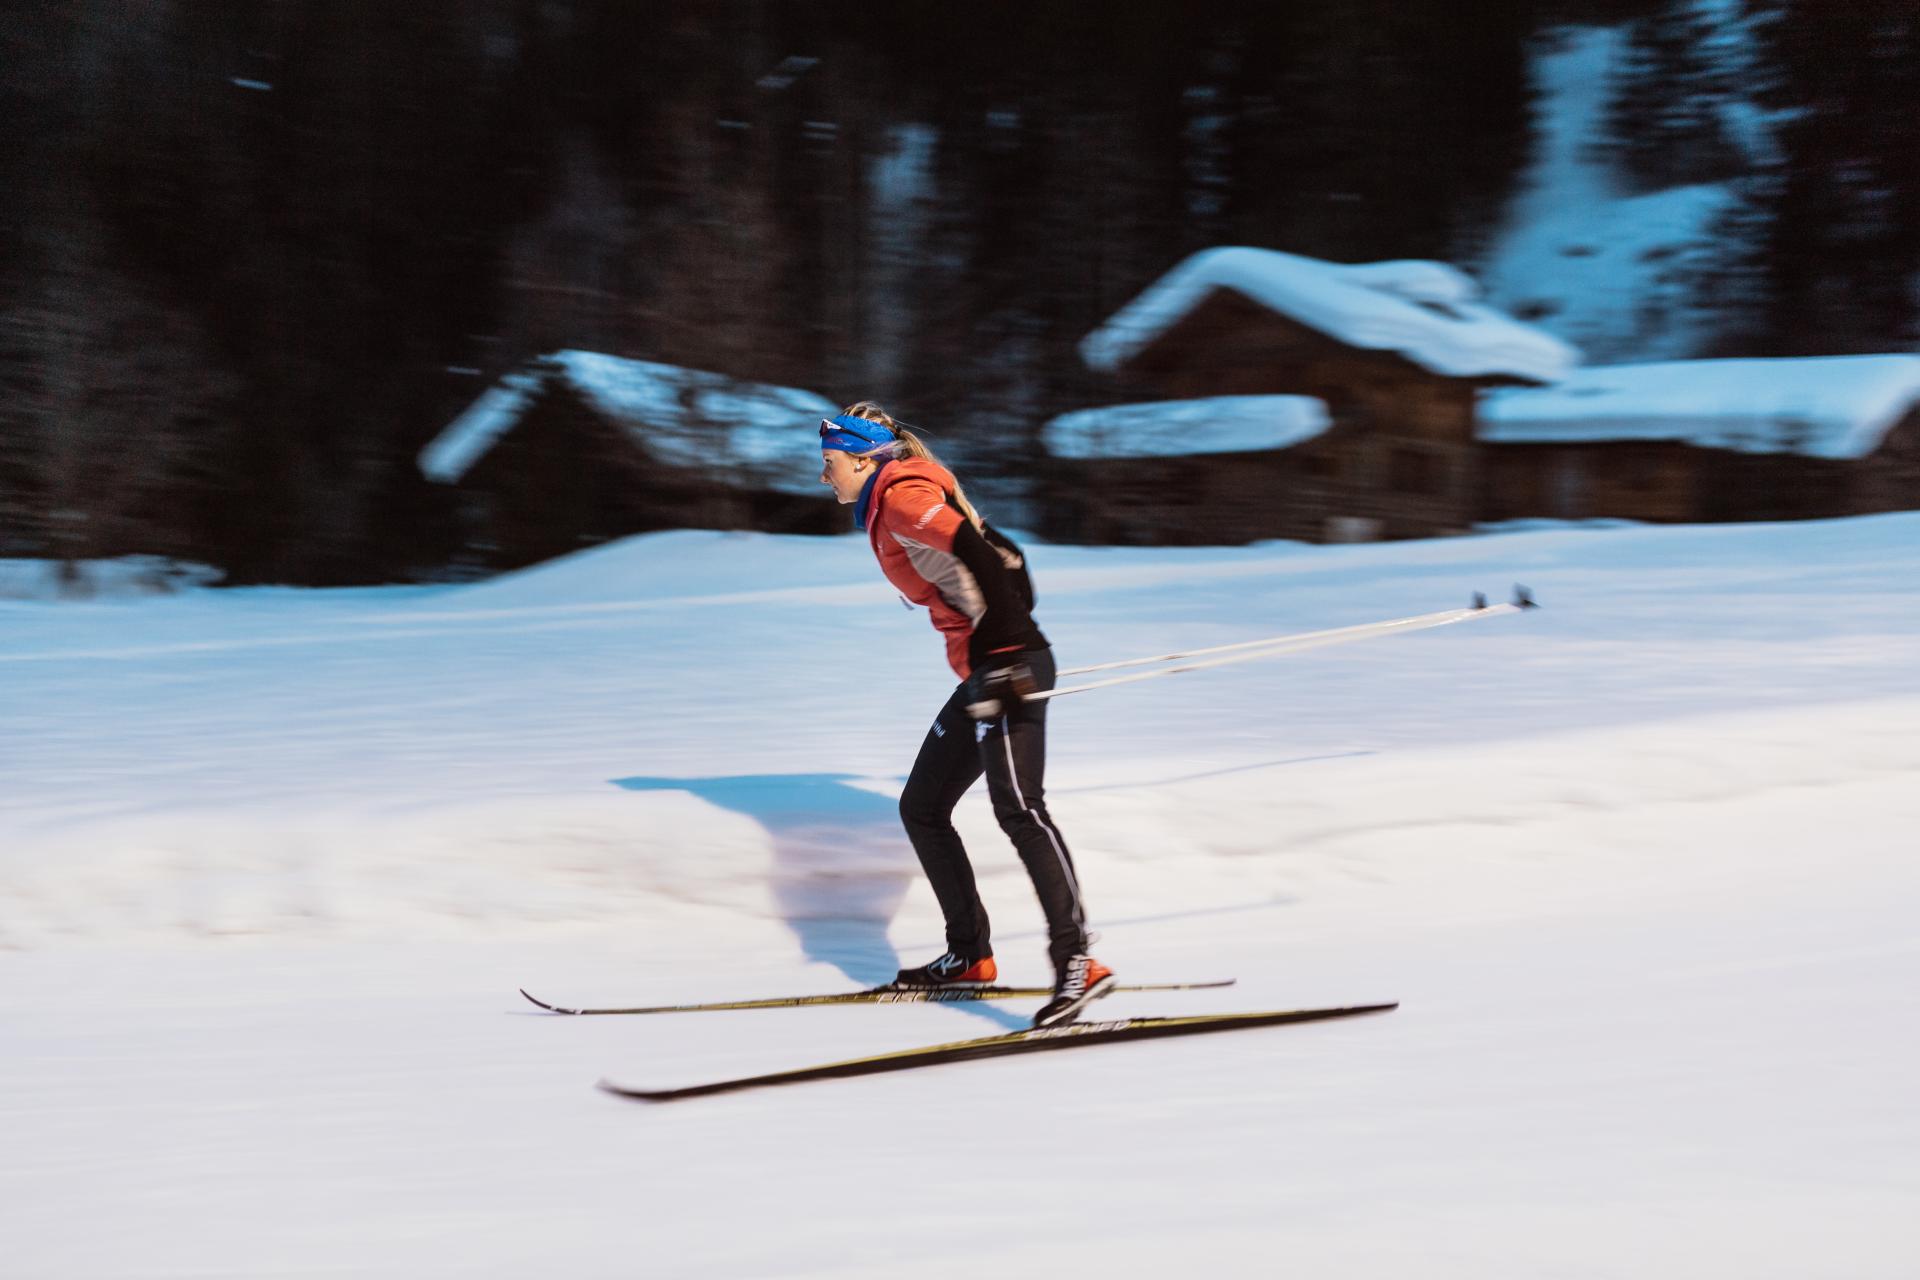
x=874, y=995
x=1035, y=1041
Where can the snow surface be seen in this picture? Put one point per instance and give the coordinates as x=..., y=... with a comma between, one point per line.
x=1606, y=269
x=1823, y=407
x=1638, y=865
x=753, y=434
x=1176, y=428
x=1425, y=311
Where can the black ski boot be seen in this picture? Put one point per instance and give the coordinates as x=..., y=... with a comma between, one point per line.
x=1082, y=980
x=950, y=970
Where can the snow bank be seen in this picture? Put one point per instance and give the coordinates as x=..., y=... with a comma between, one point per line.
x=1424, y=311
x=1823, y=407
x=1174, y=428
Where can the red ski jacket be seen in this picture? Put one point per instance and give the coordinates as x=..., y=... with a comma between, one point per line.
x=974, y=585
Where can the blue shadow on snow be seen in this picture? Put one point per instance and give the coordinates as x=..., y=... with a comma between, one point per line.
x=841, y=865
x=841, y=862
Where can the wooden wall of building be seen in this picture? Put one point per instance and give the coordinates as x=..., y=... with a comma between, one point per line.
x=1669, y=482
x=1213, y=499
x=1890, y=478
x=1399, y=461
x=1347, y=485
x=1657, y=481
x=566, y=477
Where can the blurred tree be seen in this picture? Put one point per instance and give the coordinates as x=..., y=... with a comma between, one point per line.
x=1382, y=129
x=303, y=233
x=1669, y=97
x=112, y=403
x=1840, y=253
x=114, y=392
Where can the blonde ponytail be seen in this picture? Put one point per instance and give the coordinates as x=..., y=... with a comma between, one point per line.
x=908, y=445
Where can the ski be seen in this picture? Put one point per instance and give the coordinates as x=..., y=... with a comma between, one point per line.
x=1073, y=1035
x=873, y=995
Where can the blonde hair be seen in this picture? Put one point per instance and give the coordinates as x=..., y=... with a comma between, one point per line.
x=908, y=445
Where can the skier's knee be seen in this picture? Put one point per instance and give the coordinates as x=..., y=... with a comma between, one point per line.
x=1016, y=818
x=917, y=813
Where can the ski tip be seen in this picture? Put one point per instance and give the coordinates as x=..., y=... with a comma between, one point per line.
x=632, y=1094
x=542, y=1003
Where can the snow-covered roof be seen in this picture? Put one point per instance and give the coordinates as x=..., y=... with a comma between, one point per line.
x=1821, y=406
x=1171, y=428
x=755, y=435
x=466, y=439
x=1424, y=311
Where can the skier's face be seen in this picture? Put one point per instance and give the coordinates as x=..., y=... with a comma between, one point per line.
x=845, y=474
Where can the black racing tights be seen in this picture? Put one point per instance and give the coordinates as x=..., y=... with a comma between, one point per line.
x=1012, y=751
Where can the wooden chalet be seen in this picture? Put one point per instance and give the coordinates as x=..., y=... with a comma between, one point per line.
x=1394, y=354
x=579, y=448
x=1708, y=440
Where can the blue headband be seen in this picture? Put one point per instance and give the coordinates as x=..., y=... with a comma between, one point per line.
x=853, y=435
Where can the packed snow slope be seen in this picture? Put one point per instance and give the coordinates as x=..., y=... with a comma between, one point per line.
x=1638, y=865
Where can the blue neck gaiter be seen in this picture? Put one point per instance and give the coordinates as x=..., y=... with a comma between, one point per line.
x=865, y=499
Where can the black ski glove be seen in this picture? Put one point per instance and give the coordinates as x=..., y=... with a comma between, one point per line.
x=998, y=684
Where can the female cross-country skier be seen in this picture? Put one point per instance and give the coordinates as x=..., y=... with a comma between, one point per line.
x=937, y=552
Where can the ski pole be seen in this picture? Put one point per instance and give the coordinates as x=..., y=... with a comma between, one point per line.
x=1357, y=632
x=1273, y=646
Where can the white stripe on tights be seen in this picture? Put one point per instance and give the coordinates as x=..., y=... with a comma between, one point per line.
x=1053, y=837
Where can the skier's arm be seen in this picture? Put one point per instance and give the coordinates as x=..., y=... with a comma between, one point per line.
x=918, y=512
x=1004, y=626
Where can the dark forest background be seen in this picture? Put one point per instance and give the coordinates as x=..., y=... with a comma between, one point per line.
x=254, y=253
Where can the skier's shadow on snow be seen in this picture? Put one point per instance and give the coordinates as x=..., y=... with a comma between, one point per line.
x=841, y=864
